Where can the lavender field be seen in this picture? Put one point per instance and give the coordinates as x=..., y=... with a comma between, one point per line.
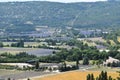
x=33, y=51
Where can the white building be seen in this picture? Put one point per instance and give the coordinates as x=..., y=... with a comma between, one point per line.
x=19, y=65
x=111, y=60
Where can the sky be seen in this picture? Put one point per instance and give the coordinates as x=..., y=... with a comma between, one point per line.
x=64, y=1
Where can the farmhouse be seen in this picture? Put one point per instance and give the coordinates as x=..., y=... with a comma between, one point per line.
x=110, y=60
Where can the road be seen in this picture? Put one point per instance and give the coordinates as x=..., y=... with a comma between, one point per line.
x=24, y=75
x=85, y=67
x=30, y=74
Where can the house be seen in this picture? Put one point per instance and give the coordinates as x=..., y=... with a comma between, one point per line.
x=110, y=60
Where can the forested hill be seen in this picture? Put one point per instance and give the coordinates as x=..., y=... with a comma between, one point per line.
x=27, y=15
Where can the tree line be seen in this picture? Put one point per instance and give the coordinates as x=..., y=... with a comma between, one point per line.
x=18, y=58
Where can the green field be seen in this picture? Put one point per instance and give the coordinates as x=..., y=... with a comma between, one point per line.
x=102, y=68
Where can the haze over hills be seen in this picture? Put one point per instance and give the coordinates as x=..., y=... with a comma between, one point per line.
x=25, y=16
x=113, y=0
x=63, y=1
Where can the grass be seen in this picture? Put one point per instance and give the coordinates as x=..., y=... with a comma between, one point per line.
x=34, y=43
x=89, y=43
x=75, y=75
x=118, y=38
x=109, y=69
x=112, y=42
x=81, y=62
x=8, y=43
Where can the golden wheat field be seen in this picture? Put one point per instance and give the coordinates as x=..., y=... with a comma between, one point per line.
x=74, y=75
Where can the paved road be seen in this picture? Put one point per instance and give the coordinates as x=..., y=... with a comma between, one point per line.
x=23, y=75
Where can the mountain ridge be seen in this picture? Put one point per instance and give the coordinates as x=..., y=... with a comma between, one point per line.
x=15, y=15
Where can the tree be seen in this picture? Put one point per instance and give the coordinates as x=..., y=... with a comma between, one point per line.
x=37, y=65
x=65, y=65
x=77, y=63
x=28, y=79
x=50, y=69
x=118, y=78
x=9, y=79
x=98, y=62
x=103, y=76
x=18, y=44
x=110, y=78
x=1, y=44
x=90, y=77
x=85, y=61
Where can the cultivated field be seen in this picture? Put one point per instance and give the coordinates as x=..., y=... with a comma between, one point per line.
x=74, y=75
x=93, y=39
x=33, y=51
x=15, y=50
x=27, y=43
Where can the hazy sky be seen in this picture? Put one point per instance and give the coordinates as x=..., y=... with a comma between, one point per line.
x=55, y=0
